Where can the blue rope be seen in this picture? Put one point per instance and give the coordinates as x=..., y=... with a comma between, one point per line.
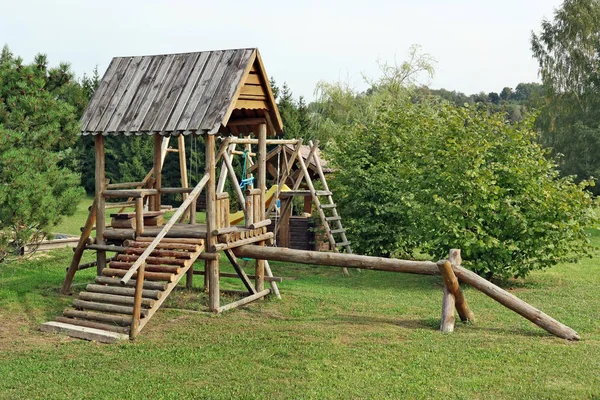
x=245, y=182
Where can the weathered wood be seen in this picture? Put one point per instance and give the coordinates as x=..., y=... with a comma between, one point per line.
x=209, y=256
x=139, y=216
x=114, y=299
x=272, y=282
x=100, y=213
x=337, y=259
x=512, y=302
x=125, y=223
x=124, y=185
x=92, y=324
x=122, y=291
x=149, y=268
x=240, y=271
x=268, y=142
x=113, y=319
x=158, y=163
x=260, y=224
x=151, y=276
x=244, y=301
x=166, y=228
x=451, y=283
x=243, y=242
x=110, y=308
x=119, y=234
x=166, y=246
x=82, y=332
x=233, y=178
x=172, y=190
x=151, y=285
x=105, y=247
x=212, y=266
x=135, y=193
x=171, y=240
x=447, y=324
x=131, y=258
x=81, y=246
x=249, y=211
x=159, y=253
x=230, y=275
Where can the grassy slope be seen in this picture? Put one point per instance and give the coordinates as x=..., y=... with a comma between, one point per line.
x=373, y=335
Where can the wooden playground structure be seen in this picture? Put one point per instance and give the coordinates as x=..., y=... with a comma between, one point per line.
x=225, y=98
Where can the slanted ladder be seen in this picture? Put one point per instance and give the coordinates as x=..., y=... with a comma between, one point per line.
x=104, y=311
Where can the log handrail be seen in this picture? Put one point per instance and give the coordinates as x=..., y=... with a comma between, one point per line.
x=174, y=218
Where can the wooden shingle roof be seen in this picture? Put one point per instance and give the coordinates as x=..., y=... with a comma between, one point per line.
x=177, y=93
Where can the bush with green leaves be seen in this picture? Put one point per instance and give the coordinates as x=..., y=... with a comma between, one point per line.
x=422, y=175
x=38, y=129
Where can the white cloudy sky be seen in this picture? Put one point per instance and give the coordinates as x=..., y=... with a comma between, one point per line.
x=479, y=45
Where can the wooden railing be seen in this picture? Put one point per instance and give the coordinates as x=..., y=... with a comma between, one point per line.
x=222, y=210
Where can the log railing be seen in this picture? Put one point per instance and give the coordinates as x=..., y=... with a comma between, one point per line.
x=139, y=265
x=222, y=210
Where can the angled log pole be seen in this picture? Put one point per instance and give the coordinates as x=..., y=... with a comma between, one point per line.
x=447, y=324
x=451, y=283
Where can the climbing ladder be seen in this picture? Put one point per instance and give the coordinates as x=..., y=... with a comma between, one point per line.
x=105, y=311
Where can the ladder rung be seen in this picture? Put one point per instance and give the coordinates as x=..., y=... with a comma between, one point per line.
x=342, y=230
x=332, y=205
x=343, y=244
x=329, y=219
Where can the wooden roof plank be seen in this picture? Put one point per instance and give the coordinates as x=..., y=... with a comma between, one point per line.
x=275, y=117
x=140, y=95
x=103, y=102
x=200, y=89
x=188, y=90
x=130, y=92
x=89, y=111
x=151, y=93
x=222, y=106
x=116, y=98
x=168, y=103
x=152, y=121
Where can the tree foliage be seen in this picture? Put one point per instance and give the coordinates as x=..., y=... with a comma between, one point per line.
x=426, y=176
x=38, y=128
x=567, y=50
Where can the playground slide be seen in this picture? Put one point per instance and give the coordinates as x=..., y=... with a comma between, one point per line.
x=238, y=217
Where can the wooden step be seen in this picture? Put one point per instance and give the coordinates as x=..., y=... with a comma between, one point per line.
x=123, y=291
x=150, y=276
x=329, y=219
x=159, y=253
x=167, y=246
x=92, y=324
x=343, y=244
x=342, y=230
x=171, y=240
x=105, y=280
x=149, y=268
x=114, y=299
x=82, y=332
x=332, y=205
x=152, y=260
x=113, y=319
x=110, y=308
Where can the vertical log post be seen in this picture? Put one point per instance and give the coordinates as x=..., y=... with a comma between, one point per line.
x=100, y=203
x=157, y=169
x=183, y=170
x=259, y=283
x=137, y=302
x=447, y=324
x=212, y=266
x=139, y=216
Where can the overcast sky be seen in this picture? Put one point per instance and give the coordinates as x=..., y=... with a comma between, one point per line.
x=479, y=45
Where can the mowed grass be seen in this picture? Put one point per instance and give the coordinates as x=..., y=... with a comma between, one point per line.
x=372, y=335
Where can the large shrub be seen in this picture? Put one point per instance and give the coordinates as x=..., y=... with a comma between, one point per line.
x=424, y=175
x=38, y=128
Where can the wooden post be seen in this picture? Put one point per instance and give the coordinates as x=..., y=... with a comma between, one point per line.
x=451, y=283
x=100, y=203
x=447, y=324
x=139, y=216
x=212, y=266
x=283, y=238
x=259, y=282
x=157, y=169
x=137, y=302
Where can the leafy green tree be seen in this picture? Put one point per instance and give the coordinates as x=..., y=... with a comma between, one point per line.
x=426, y=176
x=38, y=128
x=567, y=50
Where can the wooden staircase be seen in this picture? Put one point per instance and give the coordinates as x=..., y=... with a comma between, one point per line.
x=105, y=311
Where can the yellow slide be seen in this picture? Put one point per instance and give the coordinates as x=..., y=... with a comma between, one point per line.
x=238, y=217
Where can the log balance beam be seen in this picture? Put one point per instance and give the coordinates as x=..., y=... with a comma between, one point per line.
x=508, y=300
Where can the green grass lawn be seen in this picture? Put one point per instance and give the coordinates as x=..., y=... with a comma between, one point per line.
x=372, y=335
